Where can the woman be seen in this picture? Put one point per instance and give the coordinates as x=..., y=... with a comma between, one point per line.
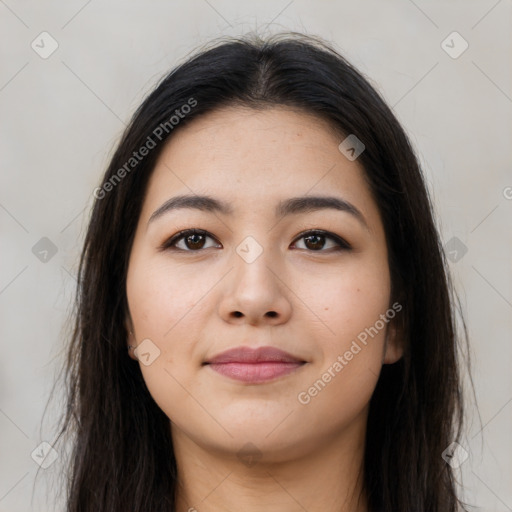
x=264, y=318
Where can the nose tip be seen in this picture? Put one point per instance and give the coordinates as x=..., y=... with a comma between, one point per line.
x=254, y=293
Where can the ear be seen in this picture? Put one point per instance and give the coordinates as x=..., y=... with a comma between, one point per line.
x=393, y=348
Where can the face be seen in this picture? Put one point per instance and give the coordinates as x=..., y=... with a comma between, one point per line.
x=300, y=288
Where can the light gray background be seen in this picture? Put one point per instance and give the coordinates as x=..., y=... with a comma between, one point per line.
x=61, y=117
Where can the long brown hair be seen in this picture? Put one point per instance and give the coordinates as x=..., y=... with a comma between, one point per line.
x=122, y=455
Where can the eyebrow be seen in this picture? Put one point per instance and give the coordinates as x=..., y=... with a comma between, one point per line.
x=291, y=206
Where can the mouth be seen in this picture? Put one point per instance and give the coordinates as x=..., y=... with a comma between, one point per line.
x=255, y=365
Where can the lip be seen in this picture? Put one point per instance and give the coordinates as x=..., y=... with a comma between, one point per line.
x=254, y=365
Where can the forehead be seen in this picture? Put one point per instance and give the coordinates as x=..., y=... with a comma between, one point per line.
x=255, y=158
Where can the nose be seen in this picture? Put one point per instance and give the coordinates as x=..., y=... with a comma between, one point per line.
x=255, y=293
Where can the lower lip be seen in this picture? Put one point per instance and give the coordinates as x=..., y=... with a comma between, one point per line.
x=255, y=372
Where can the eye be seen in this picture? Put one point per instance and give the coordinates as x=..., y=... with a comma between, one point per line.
x=315, y=241
x=193, y=240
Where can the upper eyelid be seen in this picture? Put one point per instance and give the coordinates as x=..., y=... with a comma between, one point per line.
x=181, y=234
x=177, y=237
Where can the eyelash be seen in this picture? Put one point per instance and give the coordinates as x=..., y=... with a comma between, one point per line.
x=342, y=244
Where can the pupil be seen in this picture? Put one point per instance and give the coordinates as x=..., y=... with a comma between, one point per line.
x=317, y=244
x=194, y=242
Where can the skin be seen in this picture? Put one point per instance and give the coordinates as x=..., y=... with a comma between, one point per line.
x=309, y=456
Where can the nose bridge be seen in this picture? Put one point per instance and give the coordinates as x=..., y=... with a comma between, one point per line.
x=254, y=262
x=255, y=290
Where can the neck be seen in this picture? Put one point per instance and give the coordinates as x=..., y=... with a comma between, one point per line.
x=329, y=478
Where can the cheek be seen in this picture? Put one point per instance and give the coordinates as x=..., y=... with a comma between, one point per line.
x=163, y=306
x=161, y=298
x=353, y=300
x=353, y=307
x=352, y=351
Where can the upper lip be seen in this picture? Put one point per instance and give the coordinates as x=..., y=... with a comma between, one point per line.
x=254, y=355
